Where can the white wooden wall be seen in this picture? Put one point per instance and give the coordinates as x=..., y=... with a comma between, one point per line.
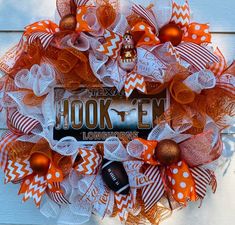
x=217, y=209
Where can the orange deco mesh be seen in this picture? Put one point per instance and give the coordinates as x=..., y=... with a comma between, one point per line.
x=73, y=67
x=106, y=14
x=32, y=55
x=18, y=150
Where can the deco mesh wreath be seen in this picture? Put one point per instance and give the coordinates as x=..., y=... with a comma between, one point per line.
x=88, y=126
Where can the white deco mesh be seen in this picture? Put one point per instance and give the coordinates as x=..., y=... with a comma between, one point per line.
x=164, y=131
x=40, y=78
x=203, y=79
x=114, y=150
x=135, y=148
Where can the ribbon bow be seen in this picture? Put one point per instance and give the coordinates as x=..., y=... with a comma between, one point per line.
x=90, y=164
x=34, y=185
x=148, y=65
x=185, y=179
x=194, y=35
x=43, y=30
x=15, y=160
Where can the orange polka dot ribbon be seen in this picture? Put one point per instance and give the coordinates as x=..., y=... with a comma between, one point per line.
x=193, y=32
x=146, y=148
x=82, y=25
x=181, y=182
x=197, y=33
x=144, y=35
x=43, y=30
x=53, y=175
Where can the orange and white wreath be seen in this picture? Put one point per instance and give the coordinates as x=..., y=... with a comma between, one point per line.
x=135, y=49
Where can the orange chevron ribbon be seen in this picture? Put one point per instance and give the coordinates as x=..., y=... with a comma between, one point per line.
x=34, y=188
x=181, y=14
x=173, y=52
x=91, y=162
x=16, y=170
x=124, y=204
x=112, y=45
x=133, y=81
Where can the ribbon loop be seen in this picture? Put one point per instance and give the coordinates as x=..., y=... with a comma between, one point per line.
x=91, y=161
x=143, y=149
x=181, y=182
x=43, y=30
x=112, y=45
x=201, y=80
x=114, y=150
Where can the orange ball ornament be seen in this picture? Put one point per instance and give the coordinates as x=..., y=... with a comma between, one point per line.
x=167, y=152
x=171, y=32
x=68, y=23
x=39, y=163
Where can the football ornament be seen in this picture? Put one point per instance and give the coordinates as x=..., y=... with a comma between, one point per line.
x=115, y=177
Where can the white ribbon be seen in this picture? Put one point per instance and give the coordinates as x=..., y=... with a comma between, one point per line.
x=114, y=150
x=164, y=131
x=201, y=80
x=149, y=66
x=93, y=23
x=80, y=43
x=40, y=79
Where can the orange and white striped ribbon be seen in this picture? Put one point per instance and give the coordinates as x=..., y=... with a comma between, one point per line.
x=7, y=138
x=43, y=30
x=147, y=14
x=218, y=68
x=22, y=123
